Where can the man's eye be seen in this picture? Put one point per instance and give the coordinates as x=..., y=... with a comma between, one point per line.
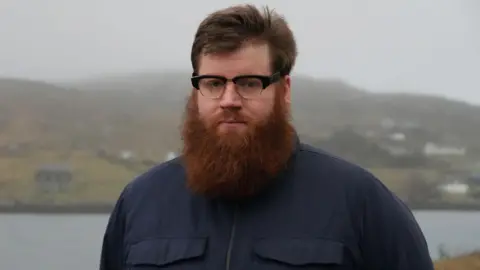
x=216, y=84
x=254, y=84
x=251, y=83
x=212, y=83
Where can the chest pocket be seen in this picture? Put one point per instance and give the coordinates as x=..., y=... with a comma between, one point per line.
x=298, y=253
x=167, y=253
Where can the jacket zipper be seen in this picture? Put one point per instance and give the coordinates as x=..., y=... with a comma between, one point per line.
x=230, y=242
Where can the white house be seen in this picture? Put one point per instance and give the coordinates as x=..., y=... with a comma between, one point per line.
x=397, y=136
x=455, y=187
x=432, y=149
x=126, y=154
x=170, y=156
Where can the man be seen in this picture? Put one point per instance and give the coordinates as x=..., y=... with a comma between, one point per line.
x=245, y=193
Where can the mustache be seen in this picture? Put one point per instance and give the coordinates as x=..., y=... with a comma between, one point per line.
x=231, y=116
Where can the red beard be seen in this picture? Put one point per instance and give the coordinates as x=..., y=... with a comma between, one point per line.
x=232, y=165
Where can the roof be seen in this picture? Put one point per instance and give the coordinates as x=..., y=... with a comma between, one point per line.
x=55, y=167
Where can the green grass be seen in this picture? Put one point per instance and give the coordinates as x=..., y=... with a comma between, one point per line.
x=398, y=180
x=95, y=179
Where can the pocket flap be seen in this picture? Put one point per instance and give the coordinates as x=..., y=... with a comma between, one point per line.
x=162, y=251
x=300, y=251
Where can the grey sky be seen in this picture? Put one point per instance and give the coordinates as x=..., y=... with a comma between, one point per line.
x=428, y=46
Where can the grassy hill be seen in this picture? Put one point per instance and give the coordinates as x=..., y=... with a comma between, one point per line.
x=41, y=122
x=324, y=105
x=48, y=117
x=464, y=262
x=142, y=112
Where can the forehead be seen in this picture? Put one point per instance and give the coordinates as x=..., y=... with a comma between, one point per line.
x=249, y=59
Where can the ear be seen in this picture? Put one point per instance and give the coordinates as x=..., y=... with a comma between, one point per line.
x=287, y=93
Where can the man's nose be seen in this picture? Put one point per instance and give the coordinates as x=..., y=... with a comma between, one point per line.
x=230, y=97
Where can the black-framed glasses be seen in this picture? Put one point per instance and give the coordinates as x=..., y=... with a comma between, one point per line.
x=247, y=86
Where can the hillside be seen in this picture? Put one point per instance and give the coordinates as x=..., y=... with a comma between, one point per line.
x=465, y=262
x=91, y=125
x=138, y=111
x=43, y=115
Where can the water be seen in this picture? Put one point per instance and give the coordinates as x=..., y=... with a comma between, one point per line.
x=59, y=242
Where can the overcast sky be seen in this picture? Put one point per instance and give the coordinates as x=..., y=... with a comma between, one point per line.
x=427, y=46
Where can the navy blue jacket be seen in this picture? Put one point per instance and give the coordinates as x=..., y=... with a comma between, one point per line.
x=322, y=213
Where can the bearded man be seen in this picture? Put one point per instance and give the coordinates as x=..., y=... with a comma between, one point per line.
x=246, y=193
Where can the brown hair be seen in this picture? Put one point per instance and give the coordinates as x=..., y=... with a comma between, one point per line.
x=226, y=30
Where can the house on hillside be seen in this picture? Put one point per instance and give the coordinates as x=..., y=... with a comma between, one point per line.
x=454, y=183
x=397, y=137
x=126, y=155
x=170, y=155
x=53, y=178
x=455, y=187
x=432, y=149
x=397, y=144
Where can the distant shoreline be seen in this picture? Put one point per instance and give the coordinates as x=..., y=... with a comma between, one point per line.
x=441, y=206
x=56, y=209
x=106, y=208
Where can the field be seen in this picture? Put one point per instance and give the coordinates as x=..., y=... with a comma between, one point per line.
x=94, y=179
x=97, y=179
x=465, y=262
x=399, y=180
